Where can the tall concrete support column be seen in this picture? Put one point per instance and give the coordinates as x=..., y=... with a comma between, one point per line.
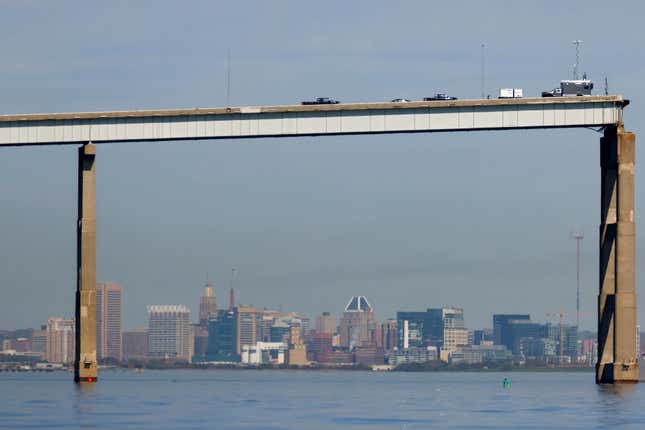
x=85, y=365
x=617, y=355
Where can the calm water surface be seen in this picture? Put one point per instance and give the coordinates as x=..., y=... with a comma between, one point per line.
x=226, y=399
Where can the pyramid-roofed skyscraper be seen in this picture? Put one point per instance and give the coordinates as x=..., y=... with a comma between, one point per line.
x=357, y=326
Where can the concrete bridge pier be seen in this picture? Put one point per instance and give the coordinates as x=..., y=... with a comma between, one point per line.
x=85, y=365
x=617, y=355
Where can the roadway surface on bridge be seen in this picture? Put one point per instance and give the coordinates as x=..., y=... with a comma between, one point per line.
x=310, y=120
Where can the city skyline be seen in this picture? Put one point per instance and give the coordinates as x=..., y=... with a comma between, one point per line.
x=203, y=309
x=305, y=219
x=252, y=336
x=322, y=320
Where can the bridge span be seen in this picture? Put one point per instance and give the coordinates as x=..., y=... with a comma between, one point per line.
x=311, y=120
x=617, y=355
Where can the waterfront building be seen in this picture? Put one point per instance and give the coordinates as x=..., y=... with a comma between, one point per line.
x=109, y=302
x=207, y=306
x=541, y=348
x=170, y=332
x=369, y=355
x=321, y=343
x=357, y=326
x=135, y=344
x=412, y=354
x=476, y=354
x=336, y=357
x=326, y=323
x=222, y=342
x=264, y=353
x=61, y=338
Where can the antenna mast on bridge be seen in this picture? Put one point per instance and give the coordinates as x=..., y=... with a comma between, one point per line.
x=576, y=67
x=483, y=76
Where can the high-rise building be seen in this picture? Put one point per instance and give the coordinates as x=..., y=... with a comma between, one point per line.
x=440, y=327
x=455, y=333
x=514, y=330
x=570, y=342
x=357, y=326
x=200, y=341
x=482, y=337
x=279, y=332
x=412, y=329
x=388, y=331
x=269, y=317
x=222, y=335
x=108, y=320
x=170, y=332
x=39, y=341
x=61, y=338
x=135, y=344
x=248, y=326
x=638, y=340
x=297, y=352
x=207, y=306
x=590, y=351
x=500, y=324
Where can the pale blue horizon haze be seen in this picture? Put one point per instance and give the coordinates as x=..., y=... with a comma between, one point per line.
x=480, y=220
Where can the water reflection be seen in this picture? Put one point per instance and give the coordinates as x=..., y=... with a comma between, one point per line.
x=619, y=390
x=84, y=400
x=615, y=404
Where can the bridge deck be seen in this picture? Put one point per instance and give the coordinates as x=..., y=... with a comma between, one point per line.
x=297, y=120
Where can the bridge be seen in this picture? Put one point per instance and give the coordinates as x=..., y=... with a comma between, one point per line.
x=617, y=355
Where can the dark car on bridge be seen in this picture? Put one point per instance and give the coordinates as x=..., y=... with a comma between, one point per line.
x=321, y=101
x=439, y=96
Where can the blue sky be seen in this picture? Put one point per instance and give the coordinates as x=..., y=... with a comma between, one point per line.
x=479, y=220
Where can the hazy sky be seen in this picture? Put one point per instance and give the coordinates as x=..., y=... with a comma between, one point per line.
x=479, y=220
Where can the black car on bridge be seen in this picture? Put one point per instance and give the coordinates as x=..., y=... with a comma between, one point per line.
x=439, y=96
x=321, y=101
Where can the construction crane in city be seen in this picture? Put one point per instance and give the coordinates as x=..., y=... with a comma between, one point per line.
x=578, y=236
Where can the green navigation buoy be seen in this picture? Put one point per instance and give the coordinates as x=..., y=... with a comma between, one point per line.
x=506, y=383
